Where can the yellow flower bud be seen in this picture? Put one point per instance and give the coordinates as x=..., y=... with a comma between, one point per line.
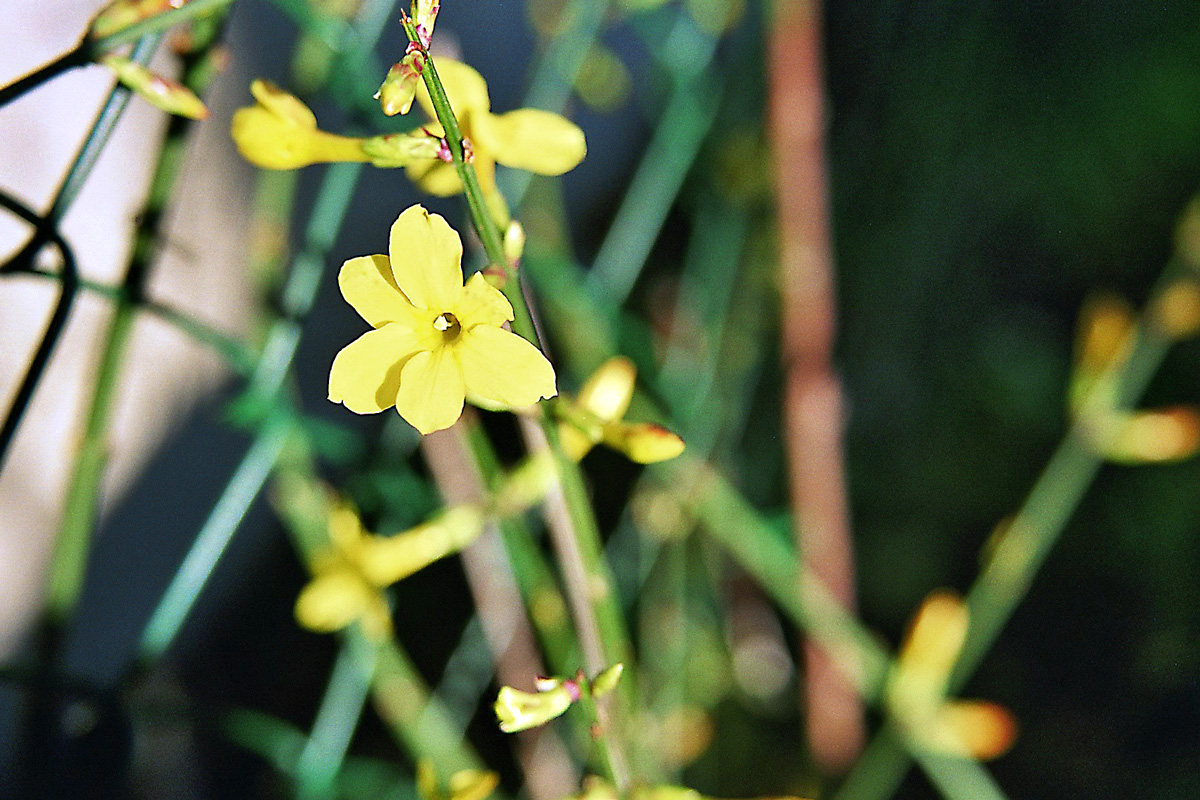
x=1177, y=310
x=514, y=242
x=519, y=711
x=281, y=133
x=467, y=784
x=473, y=784
x=596, y=417
x=607, y=680
x=160, y=92
x=424, y=14
x=399, y=86
x=1106, y=328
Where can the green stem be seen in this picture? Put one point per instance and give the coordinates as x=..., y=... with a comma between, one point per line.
x=771, y=561
x=555, y=75
x=417, y=722
x=422, y=725
x=89, y=50
x=324, y=753
x=603, y=610
x=300, y=291
x=547, y=609
x=212, y=540
x=651, y=195
x=607, y=753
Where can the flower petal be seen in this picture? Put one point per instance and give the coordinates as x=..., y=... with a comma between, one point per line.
x=607, y=392
x=367, y=284
x=575, y=443
x=435, y=177
x=283, y=104
x=530, y=139
x=431, y=391
x=465, y=89
x=934, y=639
x=983, y=730
x=503, y=368
x=332, y=601
x=366, y=374
x=643, y=442
x=346, y=530
x=426, y=257
x=482, y=304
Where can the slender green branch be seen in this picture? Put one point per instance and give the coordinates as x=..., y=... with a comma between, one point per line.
x=89, y=50
x=212, y=540
x=598, y=609
x=668, y=158
x=324, y=753
x=608, y=754
x=554, y=76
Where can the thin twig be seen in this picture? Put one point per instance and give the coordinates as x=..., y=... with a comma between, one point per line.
x=544, y=760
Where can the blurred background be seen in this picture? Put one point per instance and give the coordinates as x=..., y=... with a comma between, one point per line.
x=991, y=165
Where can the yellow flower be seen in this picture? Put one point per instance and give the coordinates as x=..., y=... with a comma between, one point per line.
x=435, y=341
x=596, y=416
x=281, y=133
x=528, y=138
x=916, y=692
x=348, y=580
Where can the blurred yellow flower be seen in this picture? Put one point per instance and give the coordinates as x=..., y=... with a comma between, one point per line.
x=280, y=132
x=528, y=138
x=916, y=693
x=596, y=416
x=339, y=594
x=436, y=342
x=467, y=784
x=349, y=578
x=596, y=788
x=1107, y=331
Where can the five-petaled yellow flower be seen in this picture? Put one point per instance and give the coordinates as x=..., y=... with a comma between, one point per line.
x=528, y=138
x=435, y=341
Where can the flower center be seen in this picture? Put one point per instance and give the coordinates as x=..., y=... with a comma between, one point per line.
x=449, y=325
